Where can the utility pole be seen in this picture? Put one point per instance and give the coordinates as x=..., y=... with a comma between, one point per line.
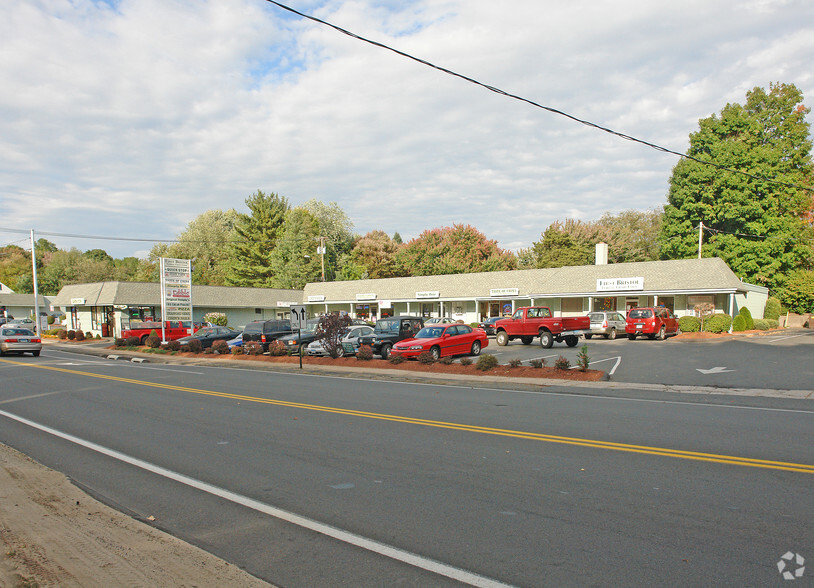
x=700, y=237
x=36, y=294
x=321, y=251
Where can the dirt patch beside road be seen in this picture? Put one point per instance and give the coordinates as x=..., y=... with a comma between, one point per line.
x=53, y=534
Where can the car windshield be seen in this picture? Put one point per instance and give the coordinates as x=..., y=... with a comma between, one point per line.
x=8, y=332
x=311, y=325
x=387, y=326
x=430, y=333
x=640, y=313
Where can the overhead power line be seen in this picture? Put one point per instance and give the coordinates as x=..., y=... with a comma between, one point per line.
x=497, y=90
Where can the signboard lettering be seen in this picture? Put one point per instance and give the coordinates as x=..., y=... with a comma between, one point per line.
x=618, y=284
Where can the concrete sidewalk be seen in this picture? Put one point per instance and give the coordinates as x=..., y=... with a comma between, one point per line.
x=98, y=348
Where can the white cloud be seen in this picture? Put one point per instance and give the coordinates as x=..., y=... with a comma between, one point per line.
x=131, y=119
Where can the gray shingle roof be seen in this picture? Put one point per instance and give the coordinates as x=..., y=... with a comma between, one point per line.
x=149, y=293
x=694, y=275
x=23, y=300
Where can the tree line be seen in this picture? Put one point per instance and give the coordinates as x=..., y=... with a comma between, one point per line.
x=763, y=229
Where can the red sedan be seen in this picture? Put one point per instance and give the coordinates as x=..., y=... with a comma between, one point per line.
x=443, y=340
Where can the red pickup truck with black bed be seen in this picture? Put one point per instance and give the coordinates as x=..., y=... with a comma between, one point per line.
x=529, y=322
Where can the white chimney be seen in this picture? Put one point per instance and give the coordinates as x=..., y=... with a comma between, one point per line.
x=601, y=254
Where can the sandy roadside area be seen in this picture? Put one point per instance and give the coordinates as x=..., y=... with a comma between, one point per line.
x=53, y=534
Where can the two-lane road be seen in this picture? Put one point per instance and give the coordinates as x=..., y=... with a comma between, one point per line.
x=313, y=481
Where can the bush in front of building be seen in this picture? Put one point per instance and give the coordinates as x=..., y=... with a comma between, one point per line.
x=396, y=359
x=62, y=334
x=718, y=323
x=237, y=350
x=255, y=348
x=760, y=324
x=425, y=358
x=747, y=317
x=537, y=363
x=486, y=362
x=276, y=349
x=220, y=346
x=466, y=361
x=772, y=310
x=689, y=324
x=119, y=342
x=448, y=360
x=216, y=318
x=132, y=341
x=195, y=346
x=51, y=319
x=153, y=341
x=79, y=336
x=773, y=323
x=364, y=353
x=173, y=345
x=71, y=335
x=739, y=323
x=562, y=363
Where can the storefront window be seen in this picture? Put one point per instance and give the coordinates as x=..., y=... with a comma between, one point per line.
x=605, y=304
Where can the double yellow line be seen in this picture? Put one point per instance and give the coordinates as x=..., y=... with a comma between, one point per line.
x=627, y=447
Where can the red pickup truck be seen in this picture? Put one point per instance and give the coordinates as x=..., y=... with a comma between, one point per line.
x=529, y=322
x=172, y=330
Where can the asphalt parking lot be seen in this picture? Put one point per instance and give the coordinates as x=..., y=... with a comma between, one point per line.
x=781, y=361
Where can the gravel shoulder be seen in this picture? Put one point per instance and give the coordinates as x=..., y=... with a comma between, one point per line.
x=54, y=534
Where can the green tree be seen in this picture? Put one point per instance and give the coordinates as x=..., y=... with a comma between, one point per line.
x=631, y=235
x=458, y=249
x=97, y=254
x=294, y=261
x=206, y=241
x=255, y=240
x=798, y=291
x=559, y=248
x=336, y=228
x=756, y=226
x=14, y=263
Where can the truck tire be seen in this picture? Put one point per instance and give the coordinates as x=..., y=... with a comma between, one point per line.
x=527, y=340
x=571, y=340
x=589, y=335
x=502, y=338
x=385, y=351
x=546, y=339
x=662, y=333
x=144, y=339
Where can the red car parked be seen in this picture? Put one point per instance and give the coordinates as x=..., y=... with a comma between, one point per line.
x=653, y=322
x=442, y=340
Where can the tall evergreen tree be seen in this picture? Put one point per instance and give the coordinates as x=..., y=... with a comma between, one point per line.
x=294, y=261
x=256, y=237
x=758, y=227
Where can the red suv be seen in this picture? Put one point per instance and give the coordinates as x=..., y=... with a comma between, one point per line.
x=653, y=322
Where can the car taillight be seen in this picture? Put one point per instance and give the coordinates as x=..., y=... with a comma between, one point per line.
x=11, y=341
x=36, y=340
x=263, y=338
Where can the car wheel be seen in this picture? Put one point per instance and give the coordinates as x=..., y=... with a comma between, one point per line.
x=340, y=352
x=527, y=340
x=571, y=341
x=35, y=353
x=546, y=339
x=502, y=338
x=632, y=337
x=435, y=353
x=385, y=351
x=589, y=335
x=612, y=334
x=662, y=333
x=475, y=348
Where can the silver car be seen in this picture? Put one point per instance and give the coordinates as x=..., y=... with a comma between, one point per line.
x=351, y=337
x=19, y=340
x=607, y=324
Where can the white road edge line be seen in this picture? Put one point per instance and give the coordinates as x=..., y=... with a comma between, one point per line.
x=784, y=338
x=344, y=536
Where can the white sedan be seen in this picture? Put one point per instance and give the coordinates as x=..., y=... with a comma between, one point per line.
x=352, y=337
x=19, y=340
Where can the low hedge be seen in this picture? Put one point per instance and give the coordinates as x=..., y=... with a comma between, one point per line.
x=689, y=324
x=718, y=323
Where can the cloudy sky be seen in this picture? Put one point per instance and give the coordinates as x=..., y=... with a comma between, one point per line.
x=130, y=118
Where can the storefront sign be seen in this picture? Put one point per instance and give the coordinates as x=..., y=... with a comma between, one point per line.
x=317, y=298
x=434, y=294
x=619, y=284
x=504, y=292
x=366, y=296
x=385, y=304
x=176, y=290
x=77, y=301
x=282, y=304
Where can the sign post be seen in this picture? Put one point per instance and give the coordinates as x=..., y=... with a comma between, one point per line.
x=298, y=321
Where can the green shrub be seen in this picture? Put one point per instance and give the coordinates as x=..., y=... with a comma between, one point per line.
x=448, y=360
x=79, y=336
x=772, y=310
x=237, y=350
x=72, y=335
x=153, y=341
x=172, y=345
x=364, y=353
x=396, y=359
x=183, y=348
x=466, y=361
x=153, y=333
x=583, y=361
x=515, y=363
x=209, y=351
x=119, y=342
x=277, y=349
x=216, y=318
x=739, y=323
x=486, y=362
x=195, y=346
x=689, y=324
x=51, y=320
x=62, y=334
x=537, y=363
x=718, y=323
x=425, y=358
x=130, y=341
x=761, y=324
x=562, y=363
x=98, y=336
x=773, y=323
x=747, y=316
x=220, y=346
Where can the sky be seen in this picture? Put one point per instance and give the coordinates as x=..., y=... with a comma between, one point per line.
x=128, y=119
